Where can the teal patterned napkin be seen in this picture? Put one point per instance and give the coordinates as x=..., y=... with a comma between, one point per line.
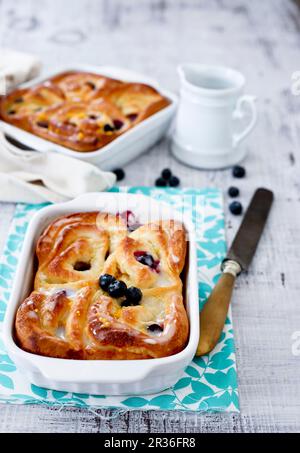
x=209, y=383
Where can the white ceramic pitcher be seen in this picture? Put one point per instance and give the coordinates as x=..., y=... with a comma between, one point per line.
x=209, y=116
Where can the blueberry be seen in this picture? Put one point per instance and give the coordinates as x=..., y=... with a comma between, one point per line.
x=160, y=182
x=127, y=303
x=134, y=226
x=238, y=171
x=82, y=266
x=174, y=181
x=147, y=259
x=130, y=219
x=144, y=258
x=127, y=216
x=108, y=128
x=233, y=192
x=91, y=85
x=118, y=124
x=155, y=328
x=43, y=124
x=120, y=173
x=236, y=208
x=166, y=174
x=132, y=117
x=117, y=289
x=134, y=294
x=12, y=112
x=133, y=297
x=105, y=280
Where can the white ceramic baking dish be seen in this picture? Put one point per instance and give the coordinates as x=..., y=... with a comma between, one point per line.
x=103, y=376
x=123, y=149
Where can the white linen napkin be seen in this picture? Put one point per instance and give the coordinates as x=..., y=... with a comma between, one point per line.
x=36, y=177
x=16, y=68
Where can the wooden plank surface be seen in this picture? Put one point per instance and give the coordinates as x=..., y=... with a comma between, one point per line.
x=153, y=36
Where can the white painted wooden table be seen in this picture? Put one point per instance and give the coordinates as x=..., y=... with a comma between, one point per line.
x=153, y=36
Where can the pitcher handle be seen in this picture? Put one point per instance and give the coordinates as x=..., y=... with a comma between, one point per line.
x=239, y=113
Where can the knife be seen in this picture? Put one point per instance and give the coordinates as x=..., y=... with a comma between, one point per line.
x=238, y=259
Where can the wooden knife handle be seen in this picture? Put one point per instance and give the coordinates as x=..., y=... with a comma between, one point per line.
x=213, y=315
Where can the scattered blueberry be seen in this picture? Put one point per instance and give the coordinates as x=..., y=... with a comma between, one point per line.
x=155, y=328
x=93, y=117
x=12, y=112
x=174, y=181
x=238, y=171
x=120, y=173
x=105, y=280
x=236, y=208
x=167, y=179
x=133, y=297
x=161, y=182
x=108, y=128
x=117, y=289
x=233, y=192
x=166, y=174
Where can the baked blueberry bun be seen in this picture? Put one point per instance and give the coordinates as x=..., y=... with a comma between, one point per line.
x=106, y=289
x=18, y=107
x=80, y=126
x=80, y=110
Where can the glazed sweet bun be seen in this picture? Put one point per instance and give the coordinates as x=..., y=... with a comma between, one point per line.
x=80, y=110
x=81, y=125
x=105, y=289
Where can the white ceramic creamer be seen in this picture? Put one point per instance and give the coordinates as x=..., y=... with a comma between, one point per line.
x=212, y=109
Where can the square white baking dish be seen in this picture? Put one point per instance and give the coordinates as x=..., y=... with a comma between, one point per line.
x=124, y=148
x=115, y=377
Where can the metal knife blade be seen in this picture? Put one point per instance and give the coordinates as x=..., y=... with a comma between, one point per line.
x=246, y=240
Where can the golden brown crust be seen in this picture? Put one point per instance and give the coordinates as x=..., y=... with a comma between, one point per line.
x=17, y=107
x=81, y=125
x=84, y=86
x=80, y=110
x=68, y=316
x=137, y=101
